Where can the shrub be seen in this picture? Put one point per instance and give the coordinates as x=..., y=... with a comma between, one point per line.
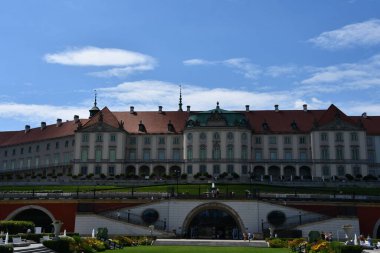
x=184, y=176
x=277, y=243
x=102, y=234
x=93, y=243
x=6, y=248
x=314, y=236
x=349, y=177
x=351, y=249
x=15, y=227
x=61, y=245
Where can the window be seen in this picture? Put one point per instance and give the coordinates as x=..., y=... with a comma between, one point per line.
x=325, y=171
x=176, y=154
x=146, y=153
x=230, y=152
x=21, y=163
x=354, y=136
x=302, y=140
x=48, y=146
x=371, y=156
x=202, y=168
x=146, y=140
x=57, y=145
x=84, y=155
x=161, y=154
x=272, y=140
x=324, y=137
x=73, y=143
x=355, y=153
x=339, y=137
x=175, y=140
x=56, y=159
x=14, y=152
x=112, y=155
x=258, y=155
x=203, y=152
x=303, y=155
x=5, y=153
x=244, y=152
x=273, y=154
x=189, y=169
x=21, y=151
x=356, y=171
x=339, y=153
x=37, y=161
x=203, y=136
x=5, y=164
x=288, y=155
x=98, y=154
x=216, y=136
x=99, y=138
x=189, y=154
x=216, y=169
x=161, y=140
x=83, y=170
x=230, y=168
x=132, y=154
x=244, y=169
x=98, y=170
x=66, y=144
x=111, y=171
x=369, y=141
x=189, y=136
x=216, y=151
x=29, y=163
x=47, y=159
x=230, y=136
x=287, y=140
x=325, y=153
x=112, y=137
x=132, y=140
x=243, y=136
x=66, y=157
x=341, y=171
x=258, y=140
x=38, y=148
x=84, y=137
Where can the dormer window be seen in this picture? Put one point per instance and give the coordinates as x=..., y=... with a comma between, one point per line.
x=142, y=127
x=265, y=126
x=294, y=125
x=171, y=127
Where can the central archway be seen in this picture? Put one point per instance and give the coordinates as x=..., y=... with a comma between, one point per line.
x=213, y=221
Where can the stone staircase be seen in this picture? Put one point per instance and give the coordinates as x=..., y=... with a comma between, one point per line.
x=33, y=248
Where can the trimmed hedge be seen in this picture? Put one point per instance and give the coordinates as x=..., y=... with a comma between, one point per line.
x=351, y=249
x=15, y=227
x=6, y=248
x=60, y=246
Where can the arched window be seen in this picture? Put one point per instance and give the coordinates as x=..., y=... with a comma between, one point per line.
x=202, y=136
x=244, y=137
x=230, y=152
x=216, y=151
x=244, y=152
x=230, y=136
x=216, y=136
x=189, y=155
x=203, y=152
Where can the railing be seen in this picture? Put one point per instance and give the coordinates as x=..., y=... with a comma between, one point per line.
x=134, y=219
x=33, y=168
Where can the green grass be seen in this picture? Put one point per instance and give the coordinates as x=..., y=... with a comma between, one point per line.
x=200, y=249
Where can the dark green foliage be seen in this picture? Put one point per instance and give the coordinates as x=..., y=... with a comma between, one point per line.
x=278, y=243
x=6, y=248
x=102, y=234
x=15, y=227
x=351, y=249
x=60, y=246
x=314, y=236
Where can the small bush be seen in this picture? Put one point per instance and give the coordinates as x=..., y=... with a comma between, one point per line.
x=278, y=243
x=61, y=246
x=15, y=227
x=6, y=248
x=351, y=249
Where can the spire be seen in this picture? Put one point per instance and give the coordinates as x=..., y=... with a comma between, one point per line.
x=180, y=99
x=95, y=108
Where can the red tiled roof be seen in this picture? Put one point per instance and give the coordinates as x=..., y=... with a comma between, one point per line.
x=154, y=122
x=36, y=134
x=104, y=115
x=332, y=113
x=281, y=121
x=371, y=124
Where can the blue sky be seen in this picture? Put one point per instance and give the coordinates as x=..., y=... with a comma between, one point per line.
x=137, y=53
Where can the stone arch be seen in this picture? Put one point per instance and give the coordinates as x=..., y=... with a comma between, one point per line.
x=159, y=170
x=305, y=171
x=144, y=171
x=258, y=171
x=289, y=171
x=21, y=209
x=376, y=230
x=212, y=205
x=274, y=171
x=130, y=170
x=173, y=170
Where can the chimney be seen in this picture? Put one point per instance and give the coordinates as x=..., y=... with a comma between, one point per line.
x=276, y=108
x=160, y=108
x=43, y=125
x=59, y=122
x=188, y=108
x=305, y=107
x=76, y=118
x=364, y=115
x=27, y=128
x=132, y=109
x=247, y=108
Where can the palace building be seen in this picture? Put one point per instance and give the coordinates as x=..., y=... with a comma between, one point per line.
x=276, y=144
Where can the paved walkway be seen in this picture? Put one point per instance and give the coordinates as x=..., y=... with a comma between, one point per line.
x=199, y=242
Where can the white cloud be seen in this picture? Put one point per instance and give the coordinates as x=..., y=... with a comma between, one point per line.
x=359, y=34
x=276, y=71
x=124, y=62
x=191, y=62
x=33, y=114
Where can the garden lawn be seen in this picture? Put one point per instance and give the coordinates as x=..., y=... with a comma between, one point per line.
x=199, y=249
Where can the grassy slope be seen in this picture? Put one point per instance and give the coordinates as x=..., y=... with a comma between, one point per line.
x=200, y=249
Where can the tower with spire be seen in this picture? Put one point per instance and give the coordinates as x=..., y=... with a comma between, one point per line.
x=180, y=99
x=94, y=110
